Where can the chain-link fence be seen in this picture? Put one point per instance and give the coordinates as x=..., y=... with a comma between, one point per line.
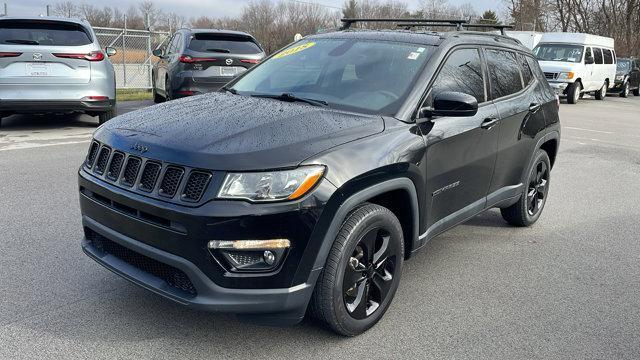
x=134, y=60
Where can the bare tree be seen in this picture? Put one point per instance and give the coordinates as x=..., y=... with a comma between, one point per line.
x=67, y=9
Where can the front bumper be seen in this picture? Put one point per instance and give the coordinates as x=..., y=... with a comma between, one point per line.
x=174, y=261
x=617, y=87
x=55, y=106
x=559, y=87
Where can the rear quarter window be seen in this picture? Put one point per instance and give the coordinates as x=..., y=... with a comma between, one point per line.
x=43, y=33
x=223, y=43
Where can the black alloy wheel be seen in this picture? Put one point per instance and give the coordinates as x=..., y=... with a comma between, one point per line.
x=369, y=274
x=362, y=271
x=537, y=194
x=534, y=194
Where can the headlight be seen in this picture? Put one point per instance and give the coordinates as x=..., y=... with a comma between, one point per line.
x=620, y=77
x=565, y=75
x=272, y=185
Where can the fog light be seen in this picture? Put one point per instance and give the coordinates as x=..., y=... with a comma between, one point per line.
x=249, y=255
x=269, y=257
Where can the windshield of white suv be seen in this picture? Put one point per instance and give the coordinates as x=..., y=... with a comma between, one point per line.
x=371, y=77
x=558, y=52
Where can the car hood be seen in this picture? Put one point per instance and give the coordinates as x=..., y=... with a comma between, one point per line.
x=231, y=132
x=557, y=66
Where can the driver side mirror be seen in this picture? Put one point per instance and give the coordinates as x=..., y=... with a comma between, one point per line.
x=588, y=60
x=451, y=103
x=158, y=53
x=110, y=51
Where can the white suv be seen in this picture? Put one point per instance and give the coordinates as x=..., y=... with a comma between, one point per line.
x=575, y=64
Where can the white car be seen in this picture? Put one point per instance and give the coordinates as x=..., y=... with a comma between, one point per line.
x=575, y=64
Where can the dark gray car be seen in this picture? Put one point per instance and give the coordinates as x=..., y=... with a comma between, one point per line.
x=196, y=61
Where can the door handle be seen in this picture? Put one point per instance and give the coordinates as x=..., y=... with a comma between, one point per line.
x=488, y=123
x=533, y=108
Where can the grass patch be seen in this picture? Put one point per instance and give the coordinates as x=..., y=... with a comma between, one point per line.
x=133, y=94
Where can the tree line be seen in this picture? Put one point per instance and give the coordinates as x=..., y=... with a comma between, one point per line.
x=275, y=22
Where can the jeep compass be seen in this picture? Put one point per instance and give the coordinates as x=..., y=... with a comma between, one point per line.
x=305, y=184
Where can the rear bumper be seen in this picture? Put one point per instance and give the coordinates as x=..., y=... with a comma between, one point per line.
x=54, y=106
x=189, y=86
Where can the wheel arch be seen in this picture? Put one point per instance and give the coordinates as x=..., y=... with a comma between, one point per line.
x=551, y=147
x=390, y=193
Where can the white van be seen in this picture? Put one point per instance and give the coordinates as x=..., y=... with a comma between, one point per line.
x=575, y=64
x=528, y=38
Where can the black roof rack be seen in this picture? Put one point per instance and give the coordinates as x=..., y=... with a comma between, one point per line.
x=458, y=26
x=347, y=22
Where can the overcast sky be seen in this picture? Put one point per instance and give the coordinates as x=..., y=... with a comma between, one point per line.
x=211, y=8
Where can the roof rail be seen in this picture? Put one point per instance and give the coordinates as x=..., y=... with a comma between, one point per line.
x=347, y=22
x=458, y=26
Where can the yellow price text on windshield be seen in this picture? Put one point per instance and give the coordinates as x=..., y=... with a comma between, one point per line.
x=293, y=50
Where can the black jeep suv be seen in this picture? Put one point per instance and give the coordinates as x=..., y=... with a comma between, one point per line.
x=308, y=181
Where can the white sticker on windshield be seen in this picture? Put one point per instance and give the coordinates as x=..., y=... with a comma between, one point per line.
x=413, y=56
x=421, y=50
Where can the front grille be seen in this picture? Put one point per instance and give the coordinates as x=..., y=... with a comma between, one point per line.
x=175, y=278
x=149, y=176
x=550, y=75
x=131, y=171
x=103, y=159
x=171, y=181
x=146, y=176
x=93, y=152
x=115, y=166
x=196, y=184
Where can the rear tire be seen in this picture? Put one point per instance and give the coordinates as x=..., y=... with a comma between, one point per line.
x=602, y=93
x=625, y=90
x=534, y=194
x=573, y=93
x=167, y=90
x=362, y=271
x=106, y=116
x=156, y=97
x=636, y=91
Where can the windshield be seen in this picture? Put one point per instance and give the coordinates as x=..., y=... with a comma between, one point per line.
x=558, y=52
x=43, y=33
x=371, y=77
x=224, y=43
x=624, y=65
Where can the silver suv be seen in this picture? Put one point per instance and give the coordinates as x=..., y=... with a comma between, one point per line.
x=54, y=65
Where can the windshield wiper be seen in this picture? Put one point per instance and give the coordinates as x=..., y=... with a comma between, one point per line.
x=290, y=97
x=225, y=51
x=21, y=41
x=233, y=91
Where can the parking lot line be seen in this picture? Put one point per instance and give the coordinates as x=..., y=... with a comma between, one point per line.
x=583, y=129
x=26, y=145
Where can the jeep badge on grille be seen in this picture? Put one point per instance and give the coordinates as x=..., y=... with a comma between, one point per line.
x=140, y=148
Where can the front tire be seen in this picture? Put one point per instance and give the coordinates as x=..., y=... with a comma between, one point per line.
x=106, y=116
x=625, y=90
x=534, y=195
x=636, y=91
x=602, y=93
x=362, y=271
x=573, y=93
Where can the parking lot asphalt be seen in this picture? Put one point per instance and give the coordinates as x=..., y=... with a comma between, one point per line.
x=566, y=288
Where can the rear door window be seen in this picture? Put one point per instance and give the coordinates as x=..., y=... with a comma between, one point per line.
x=223, y=43
x=597, y=55
x=462, y=72
x=504, y=73
x=608, y=57
x=43, y=33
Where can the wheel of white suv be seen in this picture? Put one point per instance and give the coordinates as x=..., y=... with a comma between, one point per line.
x=534, y=195
x=602, y=93
x=573, y=93
x=106, y=116
x=362, y=271
x=636, y=91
